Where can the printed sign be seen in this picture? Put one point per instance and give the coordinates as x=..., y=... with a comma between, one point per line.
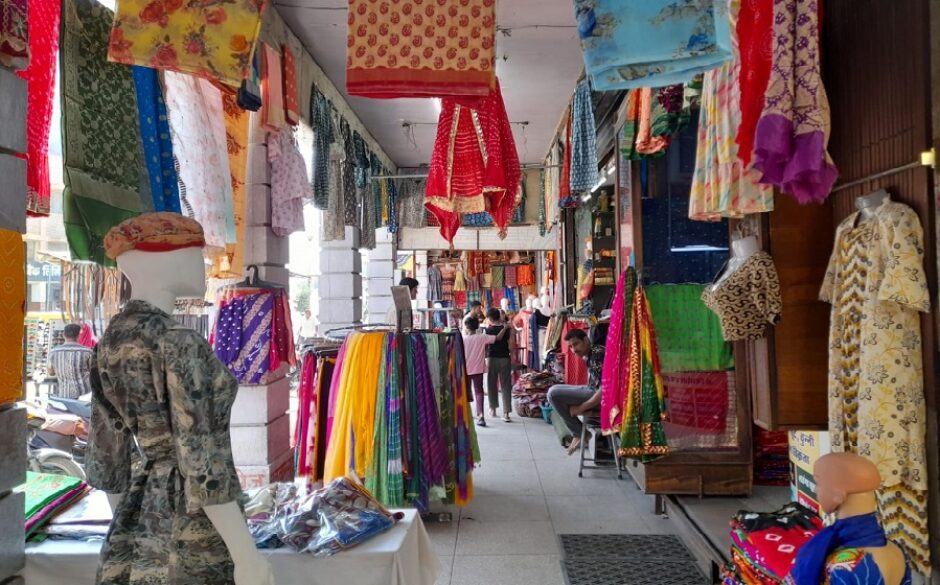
x=806, y=447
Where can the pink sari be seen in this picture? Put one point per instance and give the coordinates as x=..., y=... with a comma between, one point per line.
x=617, y=356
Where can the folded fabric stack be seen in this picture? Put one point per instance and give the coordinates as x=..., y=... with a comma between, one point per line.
x=47, y=495
x=771, y=458
x=530, y=392
x=87, y=519
x=764, y=545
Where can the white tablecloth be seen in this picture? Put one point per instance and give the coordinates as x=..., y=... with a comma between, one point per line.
x=402, y=556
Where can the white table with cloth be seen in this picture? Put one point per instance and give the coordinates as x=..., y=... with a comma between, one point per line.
x=402, y=556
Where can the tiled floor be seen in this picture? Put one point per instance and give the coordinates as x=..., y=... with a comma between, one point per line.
x=527, y=491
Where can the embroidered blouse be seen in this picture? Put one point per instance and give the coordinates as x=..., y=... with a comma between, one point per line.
x=747, y=300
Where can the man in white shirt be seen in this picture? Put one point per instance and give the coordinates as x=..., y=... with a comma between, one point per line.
x=308, y=329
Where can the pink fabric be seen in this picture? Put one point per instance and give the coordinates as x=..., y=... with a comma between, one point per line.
x=87, y=336
x=45, y=514
x=273, y=116
x=475, y=349
x=616, y=363
x=289, y=184
x=334, y=390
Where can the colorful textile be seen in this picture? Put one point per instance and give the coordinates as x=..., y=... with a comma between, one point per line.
x=200, y=144
x=498, y=277
x=646, y=143
x=214, y=40
x=236, y=135
x=40, y=77
x=474, y=165
x=273, y=112
x=42, y=489
x=419, y=59
x=289, y=184
x=856, y=566
x=583, y=140
x=755, y=45
x=793, y=131
x=248, y=335
x=411, y=204
x=698, y=400
x=249, y=93
x=291, y=97
x=876, y=394
x=12, y=314
x=14, y=33
x=722, y=185
x=157, y=144
x=687, y=332
x=863, y=531
x=567, y=199
x=104, y=171
x=350, y=194
x=643, y=43
x=747, y=300
x=642, y=436
x=617, y=356
x=576, y=370
x=334, y=225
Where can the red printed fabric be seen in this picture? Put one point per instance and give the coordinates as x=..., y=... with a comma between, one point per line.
x=40, y=88
x=755, y=34
x=773, y=550
x=421, y=48
x=474, y=165
x=291, y=99
x=14, y=45
x=698, y=400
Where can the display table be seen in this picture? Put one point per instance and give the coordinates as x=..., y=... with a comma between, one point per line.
x=402, y=556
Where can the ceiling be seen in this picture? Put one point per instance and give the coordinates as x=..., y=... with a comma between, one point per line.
x=538, y=64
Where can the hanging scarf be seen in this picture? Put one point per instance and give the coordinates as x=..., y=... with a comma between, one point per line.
x=291, y=105
x=236, y=138
x=155, y=138
x=323, y=138
x=583, y=140
x=40, y=87
x=617, y=354
x=273, y=116
x=855, y=532
x=566, y=198
x=755, y=39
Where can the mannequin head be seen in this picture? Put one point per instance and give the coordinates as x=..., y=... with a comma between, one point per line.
x=745, y=247
x=844, y=479
x=504, y=305
x=161, y=277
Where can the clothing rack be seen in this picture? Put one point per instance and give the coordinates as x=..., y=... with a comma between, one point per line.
x=425, y=176
x=360, y=327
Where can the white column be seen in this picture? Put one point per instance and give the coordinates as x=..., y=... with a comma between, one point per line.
x=340, y=282
x=380, y=277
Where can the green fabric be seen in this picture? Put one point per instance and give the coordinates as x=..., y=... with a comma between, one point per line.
x=438, y=360
x=105, y=178
x=688, y=333
x=377, y=476
x=647, y=419
x=41, y=489
x=395, y=480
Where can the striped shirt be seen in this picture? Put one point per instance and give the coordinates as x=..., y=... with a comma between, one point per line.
x=70, y=363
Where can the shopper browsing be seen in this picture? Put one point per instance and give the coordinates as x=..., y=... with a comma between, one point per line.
x=475, y=343
x=70, y=364
x=569, y=401
x=499, y=369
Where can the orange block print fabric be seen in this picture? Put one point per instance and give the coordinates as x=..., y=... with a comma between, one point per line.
x=421, y=48
x=214, y=39
x=12, y=314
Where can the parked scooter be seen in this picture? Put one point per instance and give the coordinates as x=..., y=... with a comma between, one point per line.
x=58, y=437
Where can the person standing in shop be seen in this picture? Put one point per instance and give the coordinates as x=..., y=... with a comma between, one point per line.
x=475, y=343
x=70, y=364
x=391, y=316
x=570, y=401
x=476, y=311
x=499, y=368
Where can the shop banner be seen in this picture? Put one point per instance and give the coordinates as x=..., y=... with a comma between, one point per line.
x=806, y=447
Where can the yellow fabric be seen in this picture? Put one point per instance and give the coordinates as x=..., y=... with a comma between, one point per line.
x=12, y=314
x=215, y=40
x=156, y=232
x=236, y=132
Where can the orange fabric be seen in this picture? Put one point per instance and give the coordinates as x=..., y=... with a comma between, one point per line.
x=236, y=132
x=154, y=232
x=12, y=314
x=291, y=102
x=418, y=48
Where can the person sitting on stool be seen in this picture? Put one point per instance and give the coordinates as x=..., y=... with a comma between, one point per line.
x=572, y=401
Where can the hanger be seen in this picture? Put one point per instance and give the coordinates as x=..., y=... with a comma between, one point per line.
x=252, y=280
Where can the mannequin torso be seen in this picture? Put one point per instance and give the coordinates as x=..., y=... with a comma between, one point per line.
x=741, y=250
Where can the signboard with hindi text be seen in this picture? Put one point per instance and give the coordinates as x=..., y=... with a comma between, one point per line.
x=805, y=448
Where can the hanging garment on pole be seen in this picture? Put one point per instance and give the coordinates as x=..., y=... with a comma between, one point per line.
x=156, y=141
x=583, y=140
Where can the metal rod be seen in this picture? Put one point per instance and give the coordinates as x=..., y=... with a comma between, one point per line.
x=876, y=176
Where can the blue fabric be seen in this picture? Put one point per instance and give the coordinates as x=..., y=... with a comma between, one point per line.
x=392, y=205
x=855, y=532
x=583, y=140
x=156, y=140
x=651, y=43
x=866, y=572
x=533, y=353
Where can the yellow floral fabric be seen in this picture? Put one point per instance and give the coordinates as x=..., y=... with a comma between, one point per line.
x=876, y=285
x=214, y=39
x=12, y=314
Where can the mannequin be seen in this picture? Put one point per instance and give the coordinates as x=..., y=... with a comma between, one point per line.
x=159, y=278
x=504, y=305
x=869, y=204
x=741, y=250
x=846, y=485
x=546, y=302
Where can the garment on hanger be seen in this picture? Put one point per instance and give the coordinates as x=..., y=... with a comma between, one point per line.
x=351, y=214
x=651, y=43
x=877, y=287
x=754, y=29
x=460, y=282
x=323, y=136
x=747, y=300
x=155, y=140
x=289, y=77
x=567, y=199
x=435, y=283
x=273, y=112
x=411, y=203
x=583, y=140
x=289, y=184
x=334, y=225
x=214, y=40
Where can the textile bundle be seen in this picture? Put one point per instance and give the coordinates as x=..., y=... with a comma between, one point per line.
x=413, y=48
x=474, y=166
x=316, y=376
x=46, y=495
x=651, y=43
x=399, y=417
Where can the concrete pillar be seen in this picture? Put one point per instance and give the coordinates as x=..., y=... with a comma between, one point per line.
x=380, y=277
x=340, y=282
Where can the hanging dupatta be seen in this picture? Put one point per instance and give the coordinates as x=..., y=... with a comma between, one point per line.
x=617, y=355
x=306, y=407
x=395, y=466
x=466, y=449
x=377, y=476
x=642, y=436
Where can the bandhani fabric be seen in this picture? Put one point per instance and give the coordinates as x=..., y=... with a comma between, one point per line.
x=40, y=88
x=289, y=184
x=413, y=48
x=583, y=140
x=614, y=384
x=273, y=113
x=213, y=39
x=12, y=314
x=157, y=144
x=154, y=232
x=793, y=131
x=698, y=400
x=14, y=33
x=755, y=45
x=291, y=97
x=651, y=43
x=688, y=333
x=474, y=165
x=197, y=119
x=105, y=178
x=236, y=133
x=642, y=436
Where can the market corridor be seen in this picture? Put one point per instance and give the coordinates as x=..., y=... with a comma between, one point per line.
x=527, y=493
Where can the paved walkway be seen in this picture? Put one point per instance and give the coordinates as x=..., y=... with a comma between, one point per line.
x=527, y=491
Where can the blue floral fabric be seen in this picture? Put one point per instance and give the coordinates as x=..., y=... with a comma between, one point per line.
x=583, y=140
x=156, y=140
x=629, y=44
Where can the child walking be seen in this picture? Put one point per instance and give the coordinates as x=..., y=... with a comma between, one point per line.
x=475, y=343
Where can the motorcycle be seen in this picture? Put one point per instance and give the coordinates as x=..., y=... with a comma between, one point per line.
x=57, y=437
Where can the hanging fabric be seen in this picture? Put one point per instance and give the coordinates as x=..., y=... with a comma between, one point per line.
x=14, y=33
x=583, y=140
x=350, y=195
x=210, y=39
x=249, y=93
x=273, y=116
x=105, y=178
x=155, y=138
x=392, y=204
x=411, y=203
x=40, y=77
x=793, y=131
x=334, y=227
x=289, y=77
x=754, y=30
x=12, y=314
x=617, y=354
x=651, y=43
x=402, y=50
x=474, y=166
x=289, y=184
x=688, y=334
x=322, y=120
x=567, y=199
x=236, y=134
x=365, y=194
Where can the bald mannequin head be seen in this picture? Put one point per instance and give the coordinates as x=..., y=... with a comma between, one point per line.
x=840, y=475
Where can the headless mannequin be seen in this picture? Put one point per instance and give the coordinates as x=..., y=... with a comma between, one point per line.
x=159, y=278
x=546, y=301
x=846, y=485
x=741, y=250
x=868, y=205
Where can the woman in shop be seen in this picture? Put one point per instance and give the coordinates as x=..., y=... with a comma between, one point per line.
x=475, y=344
x=499, y=366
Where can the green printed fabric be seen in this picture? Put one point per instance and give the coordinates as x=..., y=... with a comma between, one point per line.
x=688, y=333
